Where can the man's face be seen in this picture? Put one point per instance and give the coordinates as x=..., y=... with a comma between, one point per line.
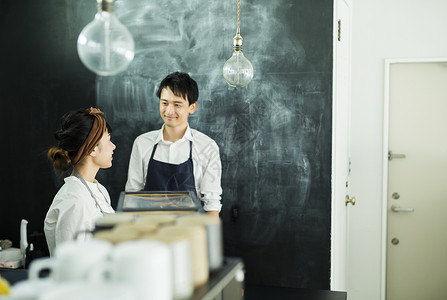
x=175, y=110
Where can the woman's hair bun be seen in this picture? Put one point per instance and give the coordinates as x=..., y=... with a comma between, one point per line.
x=60, y=157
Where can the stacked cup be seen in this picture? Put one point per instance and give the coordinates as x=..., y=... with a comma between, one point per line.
x=214, y=236
x=134, y=257
x=70, y=270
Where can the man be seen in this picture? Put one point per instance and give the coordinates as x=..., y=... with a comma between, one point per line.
x=176, y=157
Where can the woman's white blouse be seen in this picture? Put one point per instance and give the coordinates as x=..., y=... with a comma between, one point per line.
x=74, y=210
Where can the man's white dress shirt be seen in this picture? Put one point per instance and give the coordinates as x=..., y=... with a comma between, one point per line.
x=205, y=157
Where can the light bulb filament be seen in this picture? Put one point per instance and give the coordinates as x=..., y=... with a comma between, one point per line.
x=107, y=44
x=238, y=64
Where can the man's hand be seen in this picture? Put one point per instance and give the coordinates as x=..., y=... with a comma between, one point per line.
x=213, y=213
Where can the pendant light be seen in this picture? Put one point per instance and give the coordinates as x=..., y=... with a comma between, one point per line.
x=237, y=70
x=105, y=46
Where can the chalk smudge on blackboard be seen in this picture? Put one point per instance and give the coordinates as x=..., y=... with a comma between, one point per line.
x=274, y=135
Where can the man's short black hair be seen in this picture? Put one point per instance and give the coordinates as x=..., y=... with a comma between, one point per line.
x=182, y=85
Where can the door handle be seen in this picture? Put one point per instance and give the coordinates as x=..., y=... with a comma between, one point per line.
x=391, y=155
x=349, y=200
x=396, y=208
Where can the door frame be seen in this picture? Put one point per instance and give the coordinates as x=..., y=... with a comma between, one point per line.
x=386, y=115
x=339, y=235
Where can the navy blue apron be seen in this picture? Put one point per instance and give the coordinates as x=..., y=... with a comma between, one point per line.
x=169, y=177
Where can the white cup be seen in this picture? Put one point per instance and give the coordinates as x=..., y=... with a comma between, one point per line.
x=144, y=265
x=214, y=236
x=196, y=236
x=88, y=291
x=181, y=262
x=72, y=261
x=30, y=289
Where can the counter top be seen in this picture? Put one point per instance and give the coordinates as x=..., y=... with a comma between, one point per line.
x=219, y=280
x=210, y=290
x=14, y=275
x=215, y=287
x=258, y=292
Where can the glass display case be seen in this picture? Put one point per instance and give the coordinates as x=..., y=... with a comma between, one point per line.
x=151, y=201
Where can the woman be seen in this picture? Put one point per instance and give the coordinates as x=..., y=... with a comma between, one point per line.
x=84, y=144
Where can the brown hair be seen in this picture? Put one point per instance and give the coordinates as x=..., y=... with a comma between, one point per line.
x=79, y=134
x=60, y=157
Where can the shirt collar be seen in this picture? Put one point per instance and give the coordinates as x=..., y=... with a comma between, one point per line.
x=187, y=135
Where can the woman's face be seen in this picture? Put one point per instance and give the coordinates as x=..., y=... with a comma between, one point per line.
x=104, y=151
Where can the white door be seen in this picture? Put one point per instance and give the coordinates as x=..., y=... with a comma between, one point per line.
x=417, y=183
x=340, y=142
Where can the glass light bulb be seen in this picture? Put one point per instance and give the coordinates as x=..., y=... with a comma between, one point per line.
x=105, y=46
x=237, y=70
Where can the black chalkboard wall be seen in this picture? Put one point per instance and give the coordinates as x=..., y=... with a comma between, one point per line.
x=274, y=135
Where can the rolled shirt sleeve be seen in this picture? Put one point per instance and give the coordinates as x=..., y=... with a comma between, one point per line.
x=209, y=183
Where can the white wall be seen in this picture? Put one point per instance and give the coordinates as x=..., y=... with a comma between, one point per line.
x=381, y=29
